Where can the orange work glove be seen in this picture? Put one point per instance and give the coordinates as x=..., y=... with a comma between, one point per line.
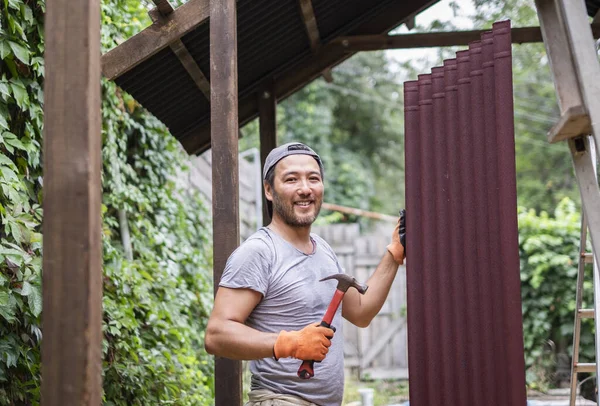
x=310, y=343
x=398, y=244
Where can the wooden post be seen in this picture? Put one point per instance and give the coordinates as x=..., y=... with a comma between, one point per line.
x=267, y=110
x=225, y=175
x=72, y=263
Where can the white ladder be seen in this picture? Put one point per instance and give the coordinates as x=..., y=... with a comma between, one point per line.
x=574, y=63
x=580, y=313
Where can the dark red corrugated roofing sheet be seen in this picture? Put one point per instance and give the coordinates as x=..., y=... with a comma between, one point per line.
x=465, y=334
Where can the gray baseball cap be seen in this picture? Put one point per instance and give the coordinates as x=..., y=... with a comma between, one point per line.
x=291, y=148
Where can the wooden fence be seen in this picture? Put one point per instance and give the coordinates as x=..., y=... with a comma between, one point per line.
x=376, y=352
x=380, y=350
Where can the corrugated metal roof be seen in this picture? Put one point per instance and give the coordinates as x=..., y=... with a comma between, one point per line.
x=272, y=42
x=464, y=303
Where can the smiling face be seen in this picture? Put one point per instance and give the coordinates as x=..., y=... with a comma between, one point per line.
x=297, y=191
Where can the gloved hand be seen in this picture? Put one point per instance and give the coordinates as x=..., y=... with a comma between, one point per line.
x=398, y=245
x=310, y=343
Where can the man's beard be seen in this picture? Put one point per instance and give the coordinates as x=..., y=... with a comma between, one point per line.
x=286, y=212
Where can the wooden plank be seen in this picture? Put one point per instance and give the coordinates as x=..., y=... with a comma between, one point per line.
x=359, y=212
x=192, y=68
x=72, y=262
x=310, y=22
x=384, y=373
x=520, y=35
x=573, y=123
x=585, y=59
x=267, y=113
x=225, y=170
x=162, y=33
x=559, y=53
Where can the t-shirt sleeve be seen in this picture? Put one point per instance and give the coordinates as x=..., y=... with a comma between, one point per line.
x=249, y=267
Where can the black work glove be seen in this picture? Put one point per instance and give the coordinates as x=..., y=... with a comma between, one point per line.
x=402, y=229
x=398, y=243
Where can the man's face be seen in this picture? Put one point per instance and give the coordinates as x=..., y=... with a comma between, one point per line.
x=297, y=191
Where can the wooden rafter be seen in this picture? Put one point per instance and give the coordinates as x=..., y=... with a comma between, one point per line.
x=163, y=8
x=357, y=43
x=162, y=33
x=310, y=22
x=191, y=67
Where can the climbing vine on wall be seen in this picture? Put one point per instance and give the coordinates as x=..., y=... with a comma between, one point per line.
x=157, y=286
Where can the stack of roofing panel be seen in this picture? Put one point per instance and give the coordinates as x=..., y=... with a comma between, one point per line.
x=464, y=304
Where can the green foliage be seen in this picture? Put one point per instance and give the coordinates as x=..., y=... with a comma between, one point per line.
x=549, y=249
x=156, y=302
x=21, y=117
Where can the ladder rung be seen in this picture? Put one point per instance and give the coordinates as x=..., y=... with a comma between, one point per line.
x=588, y=257
x=573, y=123
x=586, y=313
x=585, y=367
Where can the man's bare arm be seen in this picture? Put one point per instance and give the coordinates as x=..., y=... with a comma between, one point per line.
x=228, y=336
x=361, y=309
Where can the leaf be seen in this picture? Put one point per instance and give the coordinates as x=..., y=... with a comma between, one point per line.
x=14, y=4
x=15, y=142
x=5, y=161
x=26, y=289
x=7, y=306
x=27, y=13
x=35, y=301
x=3, y=123
x=19, y=93
x=20, y=52
x=4, y=90
x=4, y=49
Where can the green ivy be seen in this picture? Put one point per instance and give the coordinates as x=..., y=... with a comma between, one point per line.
x=156, y=301
x=549, y=249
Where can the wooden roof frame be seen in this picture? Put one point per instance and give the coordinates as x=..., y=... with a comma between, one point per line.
x=72, y=279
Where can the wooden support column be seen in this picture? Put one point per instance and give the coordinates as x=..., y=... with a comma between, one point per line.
x=225, y=173
x=267, y=110
x=72, y=262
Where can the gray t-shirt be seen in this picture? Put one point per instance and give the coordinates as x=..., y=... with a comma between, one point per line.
x=293, y=297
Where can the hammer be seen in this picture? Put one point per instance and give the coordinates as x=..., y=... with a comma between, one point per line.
x=345, y=282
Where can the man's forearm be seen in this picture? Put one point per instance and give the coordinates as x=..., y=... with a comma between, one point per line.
x=361, y=309
x=234, y=340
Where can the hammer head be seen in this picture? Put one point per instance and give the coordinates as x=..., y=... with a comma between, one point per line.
x=345, y=282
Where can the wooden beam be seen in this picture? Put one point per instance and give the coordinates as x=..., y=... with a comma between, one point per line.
x=310, y=22
x=225, y=175
x=164, y=7
x=190, y=65
x=72, y=262
x=162, y=33
x=573, y=123
x=357, y=43
x=267, y=113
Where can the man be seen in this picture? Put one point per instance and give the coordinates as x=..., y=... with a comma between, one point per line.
x=270, y=301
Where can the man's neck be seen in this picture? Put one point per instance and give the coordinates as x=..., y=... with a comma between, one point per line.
x=297, y=236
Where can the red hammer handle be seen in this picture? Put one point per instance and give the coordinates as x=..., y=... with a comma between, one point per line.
x=306, y=370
